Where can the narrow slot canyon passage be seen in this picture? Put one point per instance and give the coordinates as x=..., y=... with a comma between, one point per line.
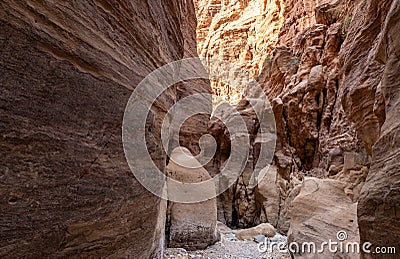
x=199, y=129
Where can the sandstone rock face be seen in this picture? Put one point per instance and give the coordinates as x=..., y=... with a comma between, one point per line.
x=354, y=107
x=298, y=16
x=325, y=79
x=319, y=212
x=305, y=82
x=301, y=79
x=191, y=226
x=67, y=71
x=264, y=229
x=240, y=32
x=269, y=195
x=238, y=206
x=246, y=32
x=330, y=75
x=378, y=210
x=195, y=126
x=274, y=195
x=238, y=203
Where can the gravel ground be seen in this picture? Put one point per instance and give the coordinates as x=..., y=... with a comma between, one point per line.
x=229, y=247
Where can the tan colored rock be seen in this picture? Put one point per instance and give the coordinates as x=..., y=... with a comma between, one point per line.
x=310, y=58
x=298, y=16
x=325, y=128
x=303, y=106
x=299, y=80
x=223, y=229
x=275, y=195
x=327, y=12
x=313, y=36
x=351, y=173
x=240, y=32
x=265, y=229
x=190, y=226
x=285, y=207
x=303, y=45
x=324, y=77
x=363, y=73
x=319, y=212
x=378, y=209
x=269, y=196
x=238, y=203
x=277, y=72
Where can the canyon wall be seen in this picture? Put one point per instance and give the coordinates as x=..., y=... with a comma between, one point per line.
x=68, y=69
x=240, y=32
x=378, y=209
x=329, y=68
x=301, y=77
x=330, y=75
x=196, y=126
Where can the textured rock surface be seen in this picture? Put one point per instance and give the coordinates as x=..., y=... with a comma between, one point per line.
x=195, y=126
x=240, y=32
x=67, y=71
x=319, y=212
x=325, y=78
x=265, y=229
x=330, y=69
x=238, y=206
x=238, y=202
x=268, y=194
x=274, y=195
x=378, y=210
x=296, y=76
x=190, y=226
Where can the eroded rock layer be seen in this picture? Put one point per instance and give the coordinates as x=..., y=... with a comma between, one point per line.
x=322, y=211
x=240, y=32
x=301, y=77
x=378, y=210
x=331, y=78
x=67, y=71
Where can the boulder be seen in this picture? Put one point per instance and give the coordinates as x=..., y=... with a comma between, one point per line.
x=268, y=195
x=265, y=229
x=190, y=225
x=320, y=211
x=284, y=213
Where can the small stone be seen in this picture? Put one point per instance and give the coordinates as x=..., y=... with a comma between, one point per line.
x=278, y=238
x=259, y=239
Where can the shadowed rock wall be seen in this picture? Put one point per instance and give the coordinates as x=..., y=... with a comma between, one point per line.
x=67, y=70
